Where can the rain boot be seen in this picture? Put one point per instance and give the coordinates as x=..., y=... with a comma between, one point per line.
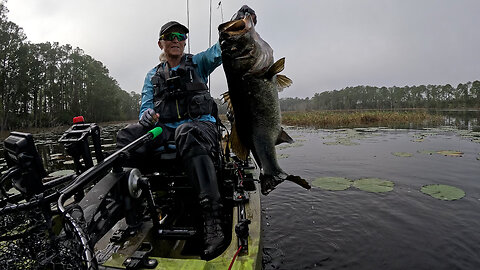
x=214, y=239
x=201, y=172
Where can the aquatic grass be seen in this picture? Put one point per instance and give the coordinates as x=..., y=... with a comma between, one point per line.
x=357, y=119
x=402, y=154
x=332, y=183
x=443, y=192
x=375, y=185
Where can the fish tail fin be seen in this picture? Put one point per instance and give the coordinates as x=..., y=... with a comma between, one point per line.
x=270, y=182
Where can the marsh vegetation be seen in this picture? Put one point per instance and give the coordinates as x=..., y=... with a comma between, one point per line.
x=342, y=119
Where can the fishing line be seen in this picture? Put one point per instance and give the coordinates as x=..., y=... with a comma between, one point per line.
x=221, y=9
x=210, y=27
x=188, y=23
x=210, y=40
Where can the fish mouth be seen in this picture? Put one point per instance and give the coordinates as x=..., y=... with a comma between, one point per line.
x=237, y=27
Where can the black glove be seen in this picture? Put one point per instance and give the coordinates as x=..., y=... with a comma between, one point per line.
x=149, y=118
x=241, y=13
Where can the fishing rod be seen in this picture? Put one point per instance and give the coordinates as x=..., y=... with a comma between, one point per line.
x=79, y=181
x=100, y=168
x=76, y=220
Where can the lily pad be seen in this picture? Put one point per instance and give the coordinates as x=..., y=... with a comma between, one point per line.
x=402, y=154
x=331, y=143
x=366, y=129
x=427, y=152
x=443, y=192
x=332, y=183
x=61, y=173
x=342, y=141
x=285, y=146
x=374, y=185
x=450, y=153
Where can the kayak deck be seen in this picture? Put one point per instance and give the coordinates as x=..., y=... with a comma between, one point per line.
x=174, y=254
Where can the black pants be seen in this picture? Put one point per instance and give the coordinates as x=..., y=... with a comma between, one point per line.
x=187, y=136
x=197, y=142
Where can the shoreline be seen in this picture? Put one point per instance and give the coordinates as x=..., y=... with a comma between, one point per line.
x=57, y=129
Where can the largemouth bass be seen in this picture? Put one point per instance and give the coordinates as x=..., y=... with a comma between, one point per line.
x=253, y=86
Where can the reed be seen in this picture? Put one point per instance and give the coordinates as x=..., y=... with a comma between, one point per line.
x=351, y=119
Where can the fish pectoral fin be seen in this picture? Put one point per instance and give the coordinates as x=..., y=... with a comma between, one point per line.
x=283, y=137
x=284, y=82
x=238, y=148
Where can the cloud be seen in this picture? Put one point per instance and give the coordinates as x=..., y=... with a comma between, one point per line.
x=328, y=44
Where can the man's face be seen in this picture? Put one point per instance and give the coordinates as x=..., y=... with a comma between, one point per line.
x=173, y=47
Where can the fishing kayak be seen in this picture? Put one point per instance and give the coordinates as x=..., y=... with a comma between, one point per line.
x=110, y=215
x=176, y=253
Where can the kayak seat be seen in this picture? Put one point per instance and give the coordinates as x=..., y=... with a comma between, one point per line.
x=166, y=152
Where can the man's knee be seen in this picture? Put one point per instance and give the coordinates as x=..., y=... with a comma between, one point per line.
x=129, y=133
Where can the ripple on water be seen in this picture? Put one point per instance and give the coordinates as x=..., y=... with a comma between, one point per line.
x=402, y=229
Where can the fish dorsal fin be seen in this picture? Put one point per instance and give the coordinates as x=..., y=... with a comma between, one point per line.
x=284, y=82
x=277, y=67
x=238, y=148
x=283, y=137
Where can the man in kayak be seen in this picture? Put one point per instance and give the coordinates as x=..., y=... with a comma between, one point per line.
x=175, y=93
x=175, y=96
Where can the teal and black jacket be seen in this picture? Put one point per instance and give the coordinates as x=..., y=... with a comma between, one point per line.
x=177, y=108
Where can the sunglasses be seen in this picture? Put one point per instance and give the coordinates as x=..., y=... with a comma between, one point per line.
x=171, y=36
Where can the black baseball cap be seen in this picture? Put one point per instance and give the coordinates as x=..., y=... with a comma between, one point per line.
x=171, y=24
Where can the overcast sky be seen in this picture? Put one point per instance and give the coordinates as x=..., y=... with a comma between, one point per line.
x=328, y=44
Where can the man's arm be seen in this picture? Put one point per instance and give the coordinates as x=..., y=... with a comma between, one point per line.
x=147, y=93
x=208, y=61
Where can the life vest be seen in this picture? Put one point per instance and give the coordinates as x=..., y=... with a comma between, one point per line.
x=180, y=94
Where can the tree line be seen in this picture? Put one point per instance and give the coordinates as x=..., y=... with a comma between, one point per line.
x=46, y=84
x=465, y=95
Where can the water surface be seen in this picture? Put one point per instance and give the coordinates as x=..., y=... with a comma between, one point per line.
x=354, y=229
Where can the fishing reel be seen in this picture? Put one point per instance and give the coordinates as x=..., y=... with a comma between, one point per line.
x=135, y=183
